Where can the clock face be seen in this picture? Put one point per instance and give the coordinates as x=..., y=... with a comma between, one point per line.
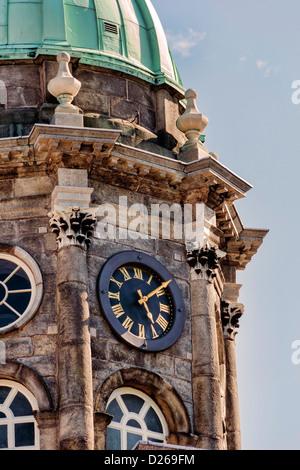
x=141, y=301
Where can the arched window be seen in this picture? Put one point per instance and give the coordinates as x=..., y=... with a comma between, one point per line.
x=135, y=418
x=18, y=427
x=20, y=289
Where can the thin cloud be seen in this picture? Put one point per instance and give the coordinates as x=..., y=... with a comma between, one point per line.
x=183, y=43
x=267, y=69
x=261, y=64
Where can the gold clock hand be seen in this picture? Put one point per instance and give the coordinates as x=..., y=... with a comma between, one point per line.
x=149, y=314
x=142, y=297
x=145, y=298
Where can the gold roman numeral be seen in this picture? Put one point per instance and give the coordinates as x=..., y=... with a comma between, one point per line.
x=142, y=331
x=125, y=274
x=138, y=273
x=118, y=310
x=119, y=284
x=114, y=295
x=149, y=280
x=154, y=333
x=128, y=323
x=160, y=292
x=162, y=322
x=164, y=308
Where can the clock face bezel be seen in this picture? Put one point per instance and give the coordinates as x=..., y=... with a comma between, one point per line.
x=142, y=260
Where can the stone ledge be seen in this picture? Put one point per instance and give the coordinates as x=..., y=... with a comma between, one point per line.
x=50, y=148
x=148, y=445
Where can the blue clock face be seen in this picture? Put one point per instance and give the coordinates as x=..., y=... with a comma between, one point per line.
x=141, y=301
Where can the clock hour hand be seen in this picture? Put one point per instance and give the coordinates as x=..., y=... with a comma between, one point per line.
x=149, y=314
x=145, y=298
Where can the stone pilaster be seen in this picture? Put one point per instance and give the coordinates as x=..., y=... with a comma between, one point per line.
x=205, y=363
x=231, y=313
x=73, y=228
x=101, y=423
x=47, y=422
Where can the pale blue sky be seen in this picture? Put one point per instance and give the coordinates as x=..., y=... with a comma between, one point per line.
x=242, y=58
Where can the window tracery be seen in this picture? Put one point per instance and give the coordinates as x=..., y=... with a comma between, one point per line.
x=20, y=288
x=135, y=418
x=18, y=427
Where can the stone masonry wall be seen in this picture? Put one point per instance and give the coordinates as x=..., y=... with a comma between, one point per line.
x=24, y=205
x=109, y=352
x=103, y=93
x=24, y=223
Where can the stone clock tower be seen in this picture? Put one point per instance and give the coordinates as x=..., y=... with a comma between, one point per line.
x=119, y=239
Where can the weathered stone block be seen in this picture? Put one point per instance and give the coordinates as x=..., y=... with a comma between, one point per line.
x=6, y=189
x=183, y=369
x=18, y=347
x=67, y=119
x=91, y=102
x=162, y=363
x=124, y=109
x=45, y=366
x=147, y=118
x=141, y=94
x=94, y=81
x=23, y=97
x=44, y=345
x=36, y=185
x=22, y=75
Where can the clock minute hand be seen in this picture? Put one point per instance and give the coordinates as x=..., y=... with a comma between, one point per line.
x=145, y=298
x=149, y=314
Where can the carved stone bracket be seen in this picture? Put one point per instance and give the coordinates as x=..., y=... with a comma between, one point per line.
x=231, y=313
x=72, y=227
x=203, y=262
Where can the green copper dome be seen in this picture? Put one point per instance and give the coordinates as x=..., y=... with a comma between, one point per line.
x=123, y=35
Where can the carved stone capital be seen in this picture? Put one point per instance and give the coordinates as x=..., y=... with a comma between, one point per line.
x=231, y=313
x=72, y=227
x=204, y=263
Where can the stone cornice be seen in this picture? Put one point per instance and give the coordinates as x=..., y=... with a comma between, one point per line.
x=221, y=173
x=241, y=250
x=50, y=147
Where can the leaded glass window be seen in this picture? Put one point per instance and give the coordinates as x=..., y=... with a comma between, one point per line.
x=18, y=427
x=135, y=418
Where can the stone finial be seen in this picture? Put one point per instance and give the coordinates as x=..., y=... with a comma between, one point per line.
x=65, y=87
x=192, y=123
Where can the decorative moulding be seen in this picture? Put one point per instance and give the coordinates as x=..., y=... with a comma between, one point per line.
x=72, y=227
